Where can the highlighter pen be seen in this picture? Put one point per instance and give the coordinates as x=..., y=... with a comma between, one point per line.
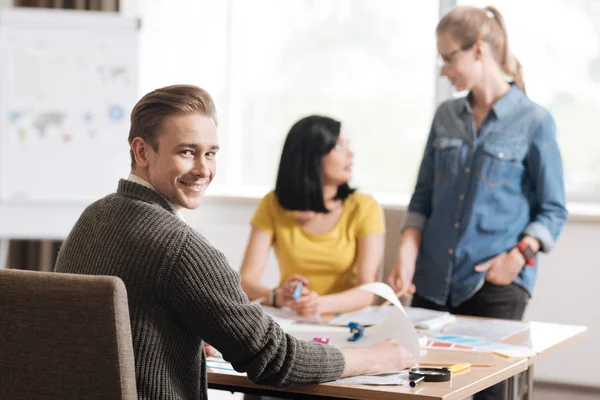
x=297, y=291
x=415, y=382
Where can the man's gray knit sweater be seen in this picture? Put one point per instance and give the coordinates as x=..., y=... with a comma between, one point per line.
x=181, y=290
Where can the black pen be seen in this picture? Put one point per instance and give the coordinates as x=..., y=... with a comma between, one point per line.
x=416, y=381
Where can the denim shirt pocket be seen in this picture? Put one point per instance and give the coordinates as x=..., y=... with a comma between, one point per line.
x=500, y=158
x=446, y=152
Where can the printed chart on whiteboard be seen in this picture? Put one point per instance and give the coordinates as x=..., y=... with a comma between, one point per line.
x=67, y=89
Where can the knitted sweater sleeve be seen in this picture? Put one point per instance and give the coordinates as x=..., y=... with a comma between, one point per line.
x=206, y=294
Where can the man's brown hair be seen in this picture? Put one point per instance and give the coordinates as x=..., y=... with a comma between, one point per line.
x=150, y=112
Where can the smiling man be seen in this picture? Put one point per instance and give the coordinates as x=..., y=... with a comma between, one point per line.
x=181, y=290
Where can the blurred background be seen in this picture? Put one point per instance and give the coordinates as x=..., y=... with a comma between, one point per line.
x=372, y=65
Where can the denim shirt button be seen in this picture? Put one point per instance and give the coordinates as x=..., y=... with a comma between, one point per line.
x=501, y=155
x=456, y=225
x=467, y=170
x=451, y=251
x=461, y=197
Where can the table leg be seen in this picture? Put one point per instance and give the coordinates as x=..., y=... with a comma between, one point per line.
x=512, y=388
x=528, y=393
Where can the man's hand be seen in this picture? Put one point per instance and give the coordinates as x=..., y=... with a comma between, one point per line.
x=381, y=358
x=504, y=268
x=209, y=350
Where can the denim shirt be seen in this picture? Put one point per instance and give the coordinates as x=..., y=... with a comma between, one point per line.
x=479, y=192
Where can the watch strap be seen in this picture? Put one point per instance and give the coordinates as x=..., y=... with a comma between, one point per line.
x=527, y=253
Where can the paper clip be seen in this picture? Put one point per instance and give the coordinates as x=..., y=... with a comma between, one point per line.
x=322, y=340
x=297, y=291
x=356, y=330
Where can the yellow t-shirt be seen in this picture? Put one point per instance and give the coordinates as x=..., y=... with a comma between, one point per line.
x=327, y=260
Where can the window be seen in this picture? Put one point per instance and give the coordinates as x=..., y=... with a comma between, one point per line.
x=184, y=43
x=370, y=64
x=558, y=44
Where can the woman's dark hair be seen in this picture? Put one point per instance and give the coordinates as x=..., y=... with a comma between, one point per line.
x=299, y=184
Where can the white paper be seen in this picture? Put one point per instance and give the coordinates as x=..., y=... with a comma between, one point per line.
x=398, y=378
x=395, y=326
x=429, y=319
x=383, y=290
x=286, y=315
x=366, y=316
x=486, y=329
x=494, y=330
x=222, y=366
x=517, y=353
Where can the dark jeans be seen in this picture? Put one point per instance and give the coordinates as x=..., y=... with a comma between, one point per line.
x=492, y=301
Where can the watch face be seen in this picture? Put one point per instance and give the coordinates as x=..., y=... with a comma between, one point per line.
x=528, y=253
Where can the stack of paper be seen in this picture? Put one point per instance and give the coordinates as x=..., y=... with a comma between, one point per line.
x=217, y=362
x=430, y=320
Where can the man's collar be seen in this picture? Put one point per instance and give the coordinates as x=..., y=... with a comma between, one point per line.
x=140, y=181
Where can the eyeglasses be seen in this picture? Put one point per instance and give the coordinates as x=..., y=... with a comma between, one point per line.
x=446, y=59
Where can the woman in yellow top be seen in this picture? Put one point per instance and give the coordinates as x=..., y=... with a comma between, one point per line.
x=325, y=234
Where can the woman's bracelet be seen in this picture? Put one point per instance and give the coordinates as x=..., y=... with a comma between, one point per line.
x=273, y=297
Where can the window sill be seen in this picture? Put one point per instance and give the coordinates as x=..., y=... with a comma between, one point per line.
x=578, y=211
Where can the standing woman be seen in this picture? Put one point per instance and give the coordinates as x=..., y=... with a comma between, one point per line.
x=489, y=193
x=325, y=235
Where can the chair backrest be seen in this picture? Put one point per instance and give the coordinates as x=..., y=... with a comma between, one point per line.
x=64, y=336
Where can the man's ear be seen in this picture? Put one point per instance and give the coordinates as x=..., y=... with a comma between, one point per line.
x=140, y=150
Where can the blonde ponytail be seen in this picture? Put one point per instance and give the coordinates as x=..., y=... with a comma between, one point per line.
x=514, y=70
x=510, y=64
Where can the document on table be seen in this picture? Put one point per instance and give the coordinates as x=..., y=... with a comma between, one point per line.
x=429, y=319
x=466, y=343
x=397, y=378
x=284, y=315
x=366, y=316
x=219, y=364
x=485, y=329
x=395, y=325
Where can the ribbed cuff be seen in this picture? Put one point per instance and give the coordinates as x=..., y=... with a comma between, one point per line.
x=317, y=363
x=541, y=233
x=414, y=219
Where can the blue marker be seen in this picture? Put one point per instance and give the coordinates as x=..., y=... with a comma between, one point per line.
x=297, y=291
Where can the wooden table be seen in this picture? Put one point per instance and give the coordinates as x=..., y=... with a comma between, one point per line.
x=544, y=338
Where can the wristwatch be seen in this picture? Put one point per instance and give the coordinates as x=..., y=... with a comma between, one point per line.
x=273, y=297
x=527, y=252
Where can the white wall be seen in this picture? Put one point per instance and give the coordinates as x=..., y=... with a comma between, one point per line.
x=568, y=281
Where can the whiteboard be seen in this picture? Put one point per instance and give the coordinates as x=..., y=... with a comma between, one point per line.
x=68, y=82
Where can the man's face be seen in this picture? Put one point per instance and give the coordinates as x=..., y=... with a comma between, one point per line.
x=185, y=162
